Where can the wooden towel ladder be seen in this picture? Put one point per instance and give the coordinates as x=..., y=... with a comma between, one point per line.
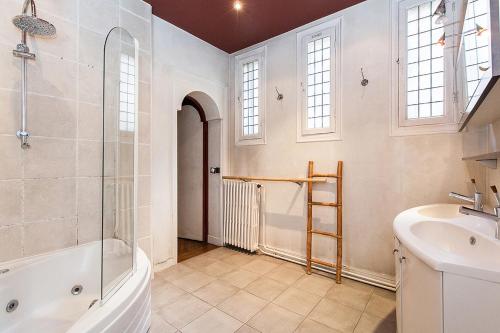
x=310, y=231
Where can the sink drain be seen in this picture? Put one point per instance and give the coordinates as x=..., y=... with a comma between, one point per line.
x=77, y=290
x=472, y=240
x=12, y=306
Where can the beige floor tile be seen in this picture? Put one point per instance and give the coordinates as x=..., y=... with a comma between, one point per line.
x=218, y=268
x=350, y=296
x=315, y=284
x=219, y=253
x=311, y=326
x=239, y=259
x=213, y=321
x=266, y=288
x=165, y=294
x=240, y=278
x=271, y=259
x=260, y=266
x=247, y=329
x=216, y=292
x=175, y=272
x=193, y=281
x=157, y=282
x=381, y=307
x=275, y=319
x=297, y=300
x=335, y=315
x=285, y=274
x=295, y=266
x=372, y=324
x=199, y=262
x=186, y=309
x=158, y=325
x=242, y=305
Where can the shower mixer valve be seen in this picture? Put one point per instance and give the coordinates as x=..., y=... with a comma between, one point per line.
x=23, y=136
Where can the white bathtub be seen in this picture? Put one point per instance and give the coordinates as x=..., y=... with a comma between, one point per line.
x=42, y=285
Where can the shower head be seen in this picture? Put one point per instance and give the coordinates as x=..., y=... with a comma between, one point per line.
x=34, y=26
x=31, y=24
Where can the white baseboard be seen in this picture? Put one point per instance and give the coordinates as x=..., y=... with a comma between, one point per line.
x=214, y=240
x=164, y=265
x=376, y=279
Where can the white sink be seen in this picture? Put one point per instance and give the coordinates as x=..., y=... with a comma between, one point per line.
x=440, y=211
x=455, y=240
x=451, y=242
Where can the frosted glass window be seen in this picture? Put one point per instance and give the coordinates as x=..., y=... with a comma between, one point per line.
x=477, y=51
x=127, y=93
x=318, y=83
x=251, y=98
x=425, y=63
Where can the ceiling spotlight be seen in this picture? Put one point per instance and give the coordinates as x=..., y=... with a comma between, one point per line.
x=442, y=40
x=237, y=5
x=480, y=30
x=440, y=12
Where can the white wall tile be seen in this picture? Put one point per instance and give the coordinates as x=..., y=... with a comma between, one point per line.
x=49, y=198
x=98, y=15
x=138, y=7
x=11, y=199
x=11, y=157
x=11, y=243
x=48, y=236
x=50, y=158
x=89, y=121
x=89, y=158
x=139, y=28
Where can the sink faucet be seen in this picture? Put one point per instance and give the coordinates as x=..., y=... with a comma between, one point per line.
x=476, y=200
x=479, y=213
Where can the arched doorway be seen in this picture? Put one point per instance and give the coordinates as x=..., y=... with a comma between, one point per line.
x=193, y=140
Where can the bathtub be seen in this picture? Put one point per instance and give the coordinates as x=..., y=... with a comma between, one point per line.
x=43, y=287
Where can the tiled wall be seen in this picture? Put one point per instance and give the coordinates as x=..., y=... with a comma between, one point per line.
x=50, y=194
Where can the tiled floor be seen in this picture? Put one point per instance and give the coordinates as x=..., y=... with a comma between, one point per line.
x=226, y=291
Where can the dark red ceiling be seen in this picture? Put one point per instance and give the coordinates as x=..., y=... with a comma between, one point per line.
x=216, y=22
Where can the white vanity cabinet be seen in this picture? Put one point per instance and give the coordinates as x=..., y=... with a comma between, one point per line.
x=419, y=293
x=433, y=301
x=447, y=270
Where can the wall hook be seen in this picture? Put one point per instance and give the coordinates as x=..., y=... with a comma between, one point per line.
x=279, y=96
x=364, y=81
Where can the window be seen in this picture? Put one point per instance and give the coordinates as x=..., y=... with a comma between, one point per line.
x=127, y=93
x=318, y=115
x=477, y=51
x=424, y=61
x=250, y=97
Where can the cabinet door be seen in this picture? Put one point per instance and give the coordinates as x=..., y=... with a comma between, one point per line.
x=421, y=296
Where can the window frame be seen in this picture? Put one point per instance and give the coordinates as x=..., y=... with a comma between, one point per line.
x=304, y=134
x=400, y=124
x=260, y=55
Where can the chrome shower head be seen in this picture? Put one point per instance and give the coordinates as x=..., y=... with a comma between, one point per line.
x=34, y=26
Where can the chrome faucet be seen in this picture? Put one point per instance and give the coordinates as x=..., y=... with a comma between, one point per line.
x=476, y=200
x=479, y=213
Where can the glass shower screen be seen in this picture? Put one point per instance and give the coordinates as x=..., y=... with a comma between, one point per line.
x=119, y=159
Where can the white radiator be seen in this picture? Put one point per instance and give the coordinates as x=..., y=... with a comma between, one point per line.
x=242, y=214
